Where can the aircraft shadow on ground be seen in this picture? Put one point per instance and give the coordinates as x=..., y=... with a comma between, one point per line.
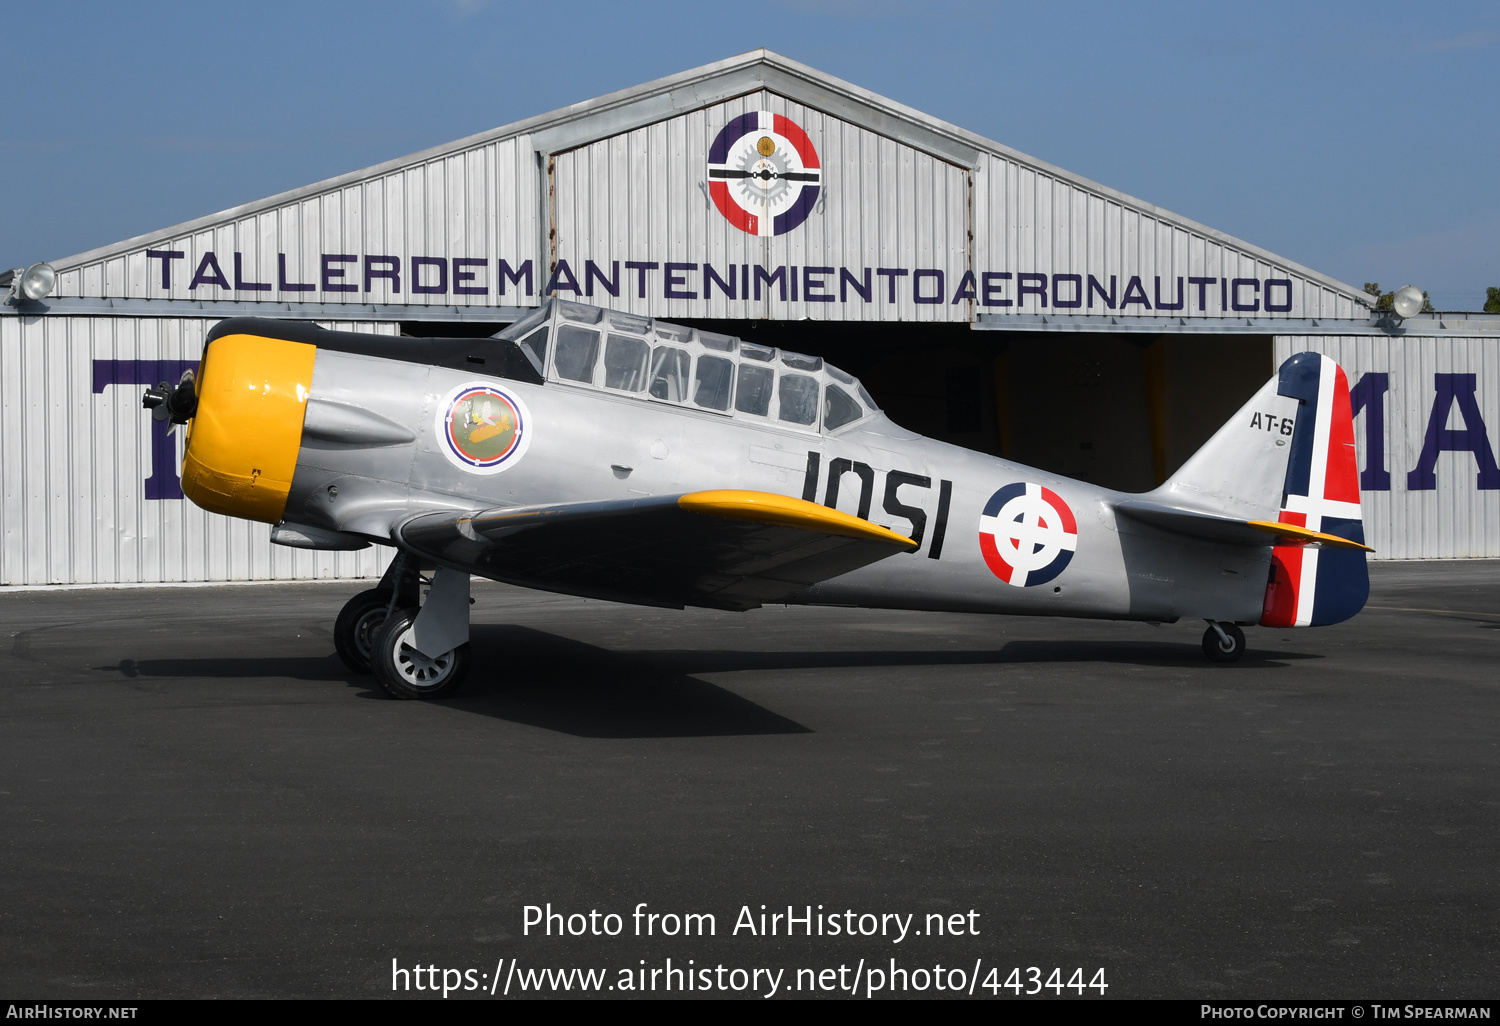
x=525, y=675
x=536, y=678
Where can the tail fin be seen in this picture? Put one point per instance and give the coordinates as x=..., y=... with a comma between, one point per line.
x=1288, y=456
x=1240, y=472
x=1310, y=586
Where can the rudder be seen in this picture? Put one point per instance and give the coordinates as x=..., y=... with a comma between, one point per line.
x=1312, y=586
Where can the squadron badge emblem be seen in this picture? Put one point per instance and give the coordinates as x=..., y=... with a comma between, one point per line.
x=763, y=173
x=1027, y=534
x=484, y=429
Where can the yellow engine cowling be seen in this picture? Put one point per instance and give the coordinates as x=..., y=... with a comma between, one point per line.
x=243, y=439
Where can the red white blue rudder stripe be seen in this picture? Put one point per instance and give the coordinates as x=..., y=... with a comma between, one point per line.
x=1312, y=586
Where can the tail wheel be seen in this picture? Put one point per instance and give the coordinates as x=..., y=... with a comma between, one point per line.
x=356, y=625
x=405, y=672
x=1226, y=648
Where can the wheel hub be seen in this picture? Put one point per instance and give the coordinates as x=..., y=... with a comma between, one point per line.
x=365, y=628
x=419, y=670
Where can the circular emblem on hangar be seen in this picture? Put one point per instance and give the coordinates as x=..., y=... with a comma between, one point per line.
x=763, y=173
x=484, y=429
x=1027, y=534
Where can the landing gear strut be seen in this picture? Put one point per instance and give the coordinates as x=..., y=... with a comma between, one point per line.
x=425, y=653
x=361, y=617
x=405, y=671
x=1223, y=642
x=413, y=652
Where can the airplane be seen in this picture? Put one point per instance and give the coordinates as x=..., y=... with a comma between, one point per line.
x=602, y=454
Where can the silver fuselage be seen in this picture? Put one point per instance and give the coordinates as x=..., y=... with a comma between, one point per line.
x=587, y=444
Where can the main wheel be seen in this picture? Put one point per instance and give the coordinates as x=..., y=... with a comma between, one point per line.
x=406, y=673
x=356, y=625
x=1216, y=648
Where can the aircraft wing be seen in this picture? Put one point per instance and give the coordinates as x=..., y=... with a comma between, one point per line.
x=726, y=549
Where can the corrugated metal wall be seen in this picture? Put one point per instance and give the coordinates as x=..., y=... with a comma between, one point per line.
x=76, y=457
x=643, y=196
x=478, y=203
x=1030, y=220
x=1407, y=383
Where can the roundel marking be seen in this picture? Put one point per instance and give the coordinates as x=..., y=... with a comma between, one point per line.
x=763, y=173
x=1027, y=534
x=484, y=429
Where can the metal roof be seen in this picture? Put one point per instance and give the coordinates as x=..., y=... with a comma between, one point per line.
x=582, y=123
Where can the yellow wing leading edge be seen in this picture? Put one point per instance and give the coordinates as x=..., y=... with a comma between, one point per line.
x=770, y=508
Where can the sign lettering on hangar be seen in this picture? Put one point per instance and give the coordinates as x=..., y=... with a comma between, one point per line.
x=766, y=178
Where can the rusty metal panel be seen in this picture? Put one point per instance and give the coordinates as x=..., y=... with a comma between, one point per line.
x=1427, y=427
x=86, y=498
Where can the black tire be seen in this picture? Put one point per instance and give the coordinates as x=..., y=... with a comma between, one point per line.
x=356, y=625
x=406, y=673
x=1214, y=648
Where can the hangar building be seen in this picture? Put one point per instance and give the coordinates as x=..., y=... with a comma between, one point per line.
x=985, y=297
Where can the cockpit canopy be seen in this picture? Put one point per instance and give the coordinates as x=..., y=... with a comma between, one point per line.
x=654, y=361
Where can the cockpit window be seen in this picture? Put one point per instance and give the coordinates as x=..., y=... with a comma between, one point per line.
x=535, y=348
x=625, y=362
x=753, y=392
x=580, y=313
x=577, y=349
x=669, y=374
x=723, y=343
x=525, y=324
x=632, y=323
x=799, y=399
x=839, y=408
x=715, y=379
x=797, y=361
x=677, y=364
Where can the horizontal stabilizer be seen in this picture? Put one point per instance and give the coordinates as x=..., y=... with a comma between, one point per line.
x=1295, y=533
x=1220, y=528
x=727, y=549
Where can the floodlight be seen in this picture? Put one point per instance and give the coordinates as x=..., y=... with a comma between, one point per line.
x=38, y=281
x=1408, y=301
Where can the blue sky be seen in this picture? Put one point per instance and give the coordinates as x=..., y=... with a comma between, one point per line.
x=1357, y=138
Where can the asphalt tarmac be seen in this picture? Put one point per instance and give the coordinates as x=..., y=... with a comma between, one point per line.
x=198, y=800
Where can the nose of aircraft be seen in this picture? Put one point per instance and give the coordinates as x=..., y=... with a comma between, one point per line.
x=247, y=426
